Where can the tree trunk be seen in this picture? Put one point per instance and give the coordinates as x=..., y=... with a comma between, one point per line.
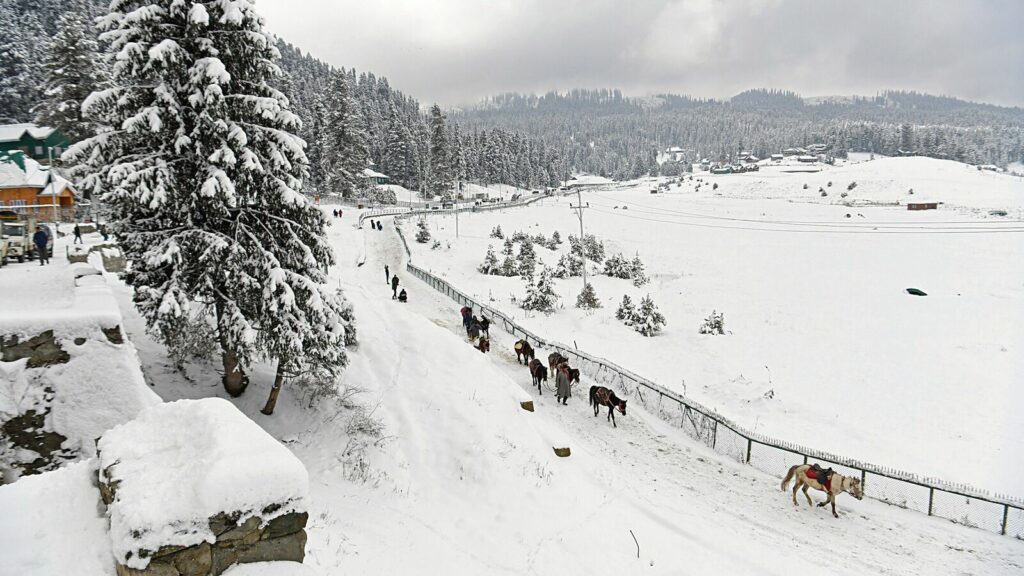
x=275, y=390
x=235, y=381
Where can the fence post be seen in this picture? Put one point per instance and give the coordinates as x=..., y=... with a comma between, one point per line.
x=1006, y=515
x=931, y=499
x=863, y=478
x=805, y=458
x=749, y=444
x=714, y=435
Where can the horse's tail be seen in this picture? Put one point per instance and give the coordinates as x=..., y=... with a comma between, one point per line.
x=789, y=476
x=592, y=390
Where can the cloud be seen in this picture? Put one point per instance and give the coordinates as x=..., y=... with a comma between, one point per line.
x=458, y=51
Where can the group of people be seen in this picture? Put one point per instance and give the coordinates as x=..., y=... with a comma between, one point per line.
x=338, y=213
x=477, y=329
x=376, y=225
x=395, y=294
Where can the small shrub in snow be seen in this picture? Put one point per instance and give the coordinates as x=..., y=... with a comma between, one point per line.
x=587, y=299
x=829, y=184
x=497, y=233
x=436, y=245
x=911, y=191
x=626, y=312
x=539, y=239
x=843, y=195
x=540, y=294
x=824, y=194
x=714, y=186
x=507, y=249
x=714, y=324
x=490, y=264
x=423, y=233
x=805, y=186
x=851, y=186
x=648, y=321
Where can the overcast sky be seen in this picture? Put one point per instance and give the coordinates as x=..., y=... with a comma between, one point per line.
x=458, y=51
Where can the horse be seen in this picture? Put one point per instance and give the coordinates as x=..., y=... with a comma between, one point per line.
x=574, y=376
x=485, y=326
x=539, y=372
x=524, y=352
x=473, y=332
x=601, y=396
x=555, y=360
x=835, y=485
x=484, y=345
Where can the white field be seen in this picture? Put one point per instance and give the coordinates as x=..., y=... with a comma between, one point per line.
x=816, y=311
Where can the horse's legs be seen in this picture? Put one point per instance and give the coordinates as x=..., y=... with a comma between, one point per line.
x=611, y=414
x=796, y=486
x=808, y=496
x=832, y=498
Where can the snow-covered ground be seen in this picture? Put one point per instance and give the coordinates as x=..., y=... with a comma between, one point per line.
x=815, y=303
x=463, y=481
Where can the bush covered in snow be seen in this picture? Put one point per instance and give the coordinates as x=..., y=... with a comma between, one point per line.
x=648, y=320
x=617, y=266
x=713, y=324
x=540, y=294
x=626, y=311
x=497, y=233
x=587, y=299
x=379, y=195
x=422, y=232
x=508, y=248
x=490, y=264
x=527, y=259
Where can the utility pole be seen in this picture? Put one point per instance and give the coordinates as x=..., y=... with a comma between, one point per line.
x=579, y=213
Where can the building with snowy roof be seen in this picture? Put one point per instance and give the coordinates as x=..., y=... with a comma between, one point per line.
x=30, y=188
x=37, y=142
x=374, y=177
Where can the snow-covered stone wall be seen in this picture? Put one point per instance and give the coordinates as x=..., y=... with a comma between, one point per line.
x=194, y=486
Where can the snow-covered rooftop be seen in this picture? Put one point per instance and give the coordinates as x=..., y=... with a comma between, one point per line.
x=14, y=132
x=181, y=463
x=33, y=175
x=367, y=173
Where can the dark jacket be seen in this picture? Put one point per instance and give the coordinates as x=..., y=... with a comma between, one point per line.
x=40, y=238
x=394, y=282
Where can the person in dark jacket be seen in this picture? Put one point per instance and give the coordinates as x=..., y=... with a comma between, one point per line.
x=563, y=389
x=387, y=274
x=78, y=234
x=402, y=296
x=379, y=225
x=40, y=239
x=394, y=287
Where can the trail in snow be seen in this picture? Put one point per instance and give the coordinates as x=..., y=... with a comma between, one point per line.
x=714, y=510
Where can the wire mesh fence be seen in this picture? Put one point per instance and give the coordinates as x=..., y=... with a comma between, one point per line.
x=958, y=503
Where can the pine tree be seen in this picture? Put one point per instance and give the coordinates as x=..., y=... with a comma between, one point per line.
x=509, y=267
x=626, y=311
x=617, y=267
x=423, y=232
x=527, y=259
x=569, y=265
x=203, y=172
x=441, y=173
x=490, y=264
x=508, y=247
x=636, y=272
x=16, y=85
x=497, y=233
x=714, y=324
x=556, y=238
x=397, y=161
x=540, y=294
x=648, y=320
x=69, y=76
x=587, y=299
x=343, y=142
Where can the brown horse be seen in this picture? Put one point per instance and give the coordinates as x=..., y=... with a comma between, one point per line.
x=835, y=485
x=539, y=373
x=555, y=360
x=601, y=396
x=484, y=345
x=524, y=352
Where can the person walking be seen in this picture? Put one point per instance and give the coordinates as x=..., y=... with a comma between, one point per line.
x=78, y=234
x=379, y=225
x=40, y=239
x=394, y=287
x=562, y=387
x=387, y=274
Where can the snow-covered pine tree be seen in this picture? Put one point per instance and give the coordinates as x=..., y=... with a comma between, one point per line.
x=508, y=247
x=617, y=267
x=203, y=172
x=556, y=238
x=70, y=74
x=636, y=271
x=343, y=141
x=648, y=320
x=714, y=324
x=16, y=84
x=497, y=233
x=527, y=259
x=440, y=182
x=422, y=232
x=490, y=264
x=569, y=265
x=587, y=298
x=540, y=294
x=626, y=312
x=509, y=267
x=397, y=161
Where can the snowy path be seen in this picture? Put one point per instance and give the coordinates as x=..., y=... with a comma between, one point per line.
x=690, y=508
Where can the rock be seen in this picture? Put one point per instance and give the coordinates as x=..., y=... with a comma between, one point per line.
x=250, y=526
x=223, y=522
x=562, y=452
x=528, y=405
x=285, y=525
x=79, y=341
x=291, y=547
x=114, y=335
x=41, y=350
x=194, y=560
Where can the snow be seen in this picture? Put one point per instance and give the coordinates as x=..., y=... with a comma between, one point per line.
x=52, y=524
x=815, y=304
x=180, y=463
x=271, y=569
x=34, y=175
x=14, y=132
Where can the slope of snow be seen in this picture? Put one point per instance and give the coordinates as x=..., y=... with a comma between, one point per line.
x=817, y=312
